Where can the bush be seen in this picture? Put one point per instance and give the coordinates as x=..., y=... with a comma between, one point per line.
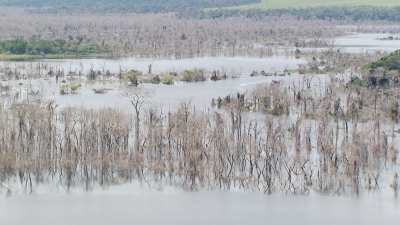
x=75, y=86
x=156, y=79
x=168, y=79
x=64, y=89
x=356, y=81
x=69, y=88
x=390, y=62
x=133, y=76
x=193, y=75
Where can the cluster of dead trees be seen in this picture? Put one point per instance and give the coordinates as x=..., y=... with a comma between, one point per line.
x=334, y=61
x=166, y=35
x=337, y=150
x=308, y=96
x=37, y=70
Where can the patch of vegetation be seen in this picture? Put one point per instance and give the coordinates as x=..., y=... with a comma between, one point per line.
x=156, y=79
x=75, y=86
x=374, y=81
x=194, y=75
x=71, y=88
x=282, y=4
x=64, y=89
x=9, y=57
x=123, y=5
x=132, y=76
x=390, y=62
x=20, y=49
x=320, y=12
x=385, y=72
x=358, y=82
x=168, y=79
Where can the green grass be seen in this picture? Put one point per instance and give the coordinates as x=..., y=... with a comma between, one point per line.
x=281, y=4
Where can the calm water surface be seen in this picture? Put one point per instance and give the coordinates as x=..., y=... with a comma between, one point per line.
x=131, y=204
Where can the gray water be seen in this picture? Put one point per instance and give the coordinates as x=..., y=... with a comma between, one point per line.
x=231, y=65
x=159, y=95
x=361, y=43
x=367, y=43
x=138, y=205
x=166, y=97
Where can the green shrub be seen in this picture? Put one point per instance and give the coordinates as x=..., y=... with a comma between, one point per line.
x=132, y=76
x=168, y=79
x=64, y=89
x=195, y=75
x=156, y=79
x=356, y=81
x=75, y=86
x=69, y=88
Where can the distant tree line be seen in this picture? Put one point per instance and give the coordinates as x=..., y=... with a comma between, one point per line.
x=364, y=13
x=166, y=35
x=123, y=5
x=215, y=9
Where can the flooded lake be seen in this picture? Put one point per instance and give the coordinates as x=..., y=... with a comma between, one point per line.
x=165, y=96
x=133, y=204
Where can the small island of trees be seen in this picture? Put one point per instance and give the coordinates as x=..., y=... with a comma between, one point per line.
x=20, y=49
